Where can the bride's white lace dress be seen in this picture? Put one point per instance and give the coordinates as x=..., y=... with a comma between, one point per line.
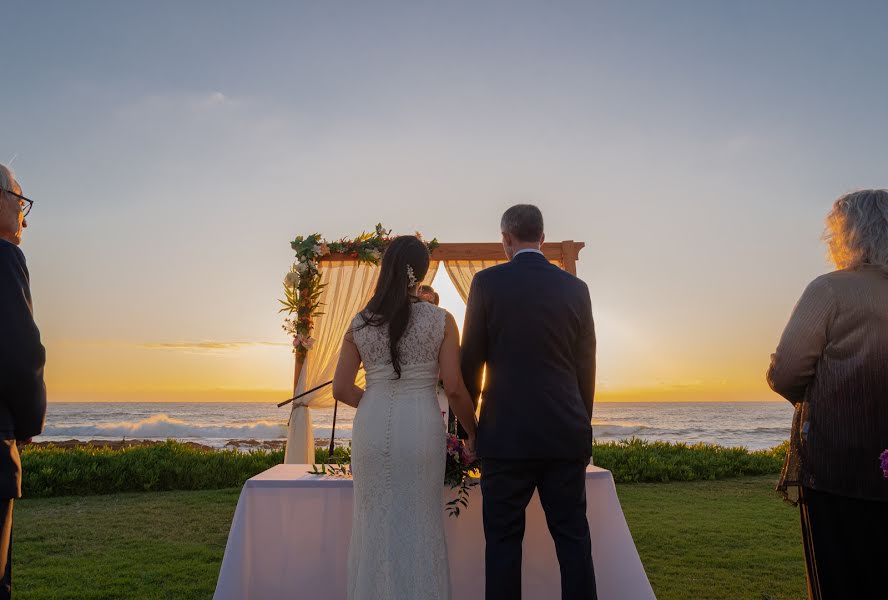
x=398, y=551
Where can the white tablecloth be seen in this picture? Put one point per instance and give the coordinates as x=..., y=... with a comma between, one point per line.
x=290, y=535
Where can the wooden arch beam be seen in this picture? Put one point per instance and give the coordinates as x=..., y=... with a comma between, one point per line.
x=567, y=252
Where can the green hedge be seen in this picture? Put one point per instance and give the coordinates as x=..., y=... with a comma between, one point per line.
x=52, y=471
x=83, y=471
x=636, y=461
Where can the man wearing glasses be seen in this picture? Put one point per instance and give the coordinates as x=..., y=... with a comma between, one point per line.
x=22, y=392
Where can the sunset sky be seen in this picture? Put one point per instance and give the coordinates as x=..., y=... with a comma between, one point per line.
x=174, y=149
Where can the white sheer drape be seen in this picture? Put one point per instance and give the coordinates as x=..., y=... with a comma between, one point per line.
x=462, y=272
x=348, y=287
x=433, y=270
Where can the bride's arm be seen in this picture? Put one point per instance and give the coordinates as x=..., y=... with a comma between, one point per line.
x=344, y=388
x=454, y=386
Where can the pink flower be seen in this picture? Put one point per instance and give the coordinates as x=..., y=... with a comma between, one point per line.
x=301, y=341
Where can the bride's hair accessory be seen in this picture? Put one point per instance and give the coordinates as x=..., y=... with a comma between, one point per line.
x=411, y=277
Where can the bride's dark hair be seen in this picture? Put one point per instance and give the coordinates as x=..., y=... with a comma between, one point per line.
x=391, y=302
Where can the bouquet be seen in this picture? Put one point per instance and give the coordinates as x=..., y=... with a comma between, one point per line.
x=459, y=474
x=884, y=458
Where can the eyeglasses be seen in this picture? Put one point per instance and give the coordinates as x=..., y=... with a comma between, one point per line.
x=28, y=203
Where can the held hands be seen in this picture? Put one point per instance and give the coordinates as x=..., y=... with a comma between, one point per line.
x=470, y=448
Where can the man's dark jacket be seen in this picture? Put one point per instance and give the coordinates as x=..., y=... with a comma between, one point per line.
x=22, y=356
x=531, y=324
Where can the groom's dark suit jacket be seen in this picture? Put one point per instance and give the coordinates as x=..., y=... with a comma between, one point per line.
x=531, y=324
x=22, y=392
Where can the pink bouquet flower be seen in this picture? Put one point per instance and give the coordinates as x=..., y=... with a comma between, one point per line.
x=884, y=458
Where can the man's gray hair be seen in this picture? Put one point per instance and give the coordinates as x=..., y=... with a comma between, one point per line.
x=7, y=179
x=857, y=230
x=524, y=222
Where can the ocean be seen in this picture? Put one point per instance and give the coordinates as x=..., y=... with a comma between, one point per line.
x=755, y=425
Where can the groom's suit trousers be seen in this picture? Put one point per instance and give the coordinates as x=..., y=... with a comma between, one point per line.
x=507, y=487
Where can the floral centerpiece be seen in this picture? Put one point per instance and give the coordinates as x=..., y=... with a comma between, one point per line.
x=302, y=283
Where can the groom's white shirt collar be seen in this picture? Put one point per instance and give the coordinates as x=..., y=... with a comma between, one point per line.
x=523, y=250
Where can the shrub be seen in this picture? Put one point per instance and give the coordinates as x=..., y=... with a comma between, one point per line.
x=642, y=461
x=88, y=470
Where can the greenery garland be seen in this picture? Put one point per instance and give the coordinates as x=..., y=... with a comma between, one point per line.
x=302, y=284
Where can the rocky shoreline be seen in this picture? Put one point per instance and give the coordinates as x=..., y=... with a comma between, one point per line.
x=242, y=445
x=124, y=443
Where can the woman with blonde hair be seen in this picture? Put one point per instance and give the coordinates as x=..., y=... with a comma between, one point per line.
x=832, y=364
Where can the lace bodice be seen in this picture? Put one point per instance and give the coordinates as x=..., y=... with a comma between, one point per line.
x=418, y=346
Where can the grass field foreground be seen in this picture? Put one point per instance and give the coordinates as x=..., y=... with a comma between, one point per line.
x=727, y=539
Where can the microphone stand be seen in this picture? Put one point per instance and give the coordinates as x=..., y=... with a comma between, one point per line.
x=333, y=431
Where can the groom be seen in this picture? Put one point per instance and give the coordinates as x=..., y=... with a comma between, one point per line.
x=530, y=323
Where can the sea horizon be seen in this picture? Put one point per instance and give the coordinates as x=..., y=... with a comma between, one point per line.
x=756, y=425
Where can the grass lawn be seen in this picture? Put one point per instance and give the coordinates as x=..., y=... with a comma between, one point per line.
x=733, y=538
x=721, y=539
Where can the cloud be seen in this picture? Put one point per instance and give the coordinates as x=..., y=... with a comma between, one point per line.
x=206, y=345
x=202, y=345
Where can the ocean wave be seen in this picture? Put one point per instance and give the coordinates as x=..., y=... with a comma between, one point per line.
x=321, y=433
x=162, y=426
x=613, y=430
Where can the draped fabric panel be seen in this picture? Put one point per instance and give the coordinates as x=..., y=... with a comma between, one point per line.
x=433, y=270
x=462, y=272
x=349, y=286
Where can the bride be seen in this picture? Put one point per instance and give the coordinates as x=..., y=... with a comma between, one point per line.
x=397, y=548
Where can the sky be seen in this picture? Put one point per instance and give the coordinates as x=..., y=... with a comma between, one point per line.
x=174, y=149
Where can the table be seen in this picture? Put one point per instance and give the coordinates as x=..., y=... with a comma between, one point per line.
x=290, y=534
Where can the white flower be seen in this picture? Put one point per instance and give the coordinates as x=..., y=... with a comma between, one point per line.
x=316, y=250
x=291, y=279
x=301, y=268
x=375, y=253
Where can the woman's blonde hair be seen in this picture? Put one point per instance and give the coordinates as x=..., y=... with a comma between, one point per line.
x=857, y=230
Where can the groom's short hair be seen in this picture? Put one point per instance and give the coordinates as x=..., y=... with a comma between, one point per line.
x=524, y=222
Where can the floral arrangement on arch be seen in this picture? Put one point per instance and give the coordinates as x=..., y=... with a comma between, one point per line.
x=302, y=283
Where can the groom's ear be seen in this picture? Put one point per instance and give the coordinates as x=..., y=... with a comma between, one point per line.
x=542, y=239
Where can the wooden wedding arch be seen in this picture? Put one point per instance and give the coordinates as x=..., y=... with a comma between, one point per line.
x=565, y=253
x=467, y=258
